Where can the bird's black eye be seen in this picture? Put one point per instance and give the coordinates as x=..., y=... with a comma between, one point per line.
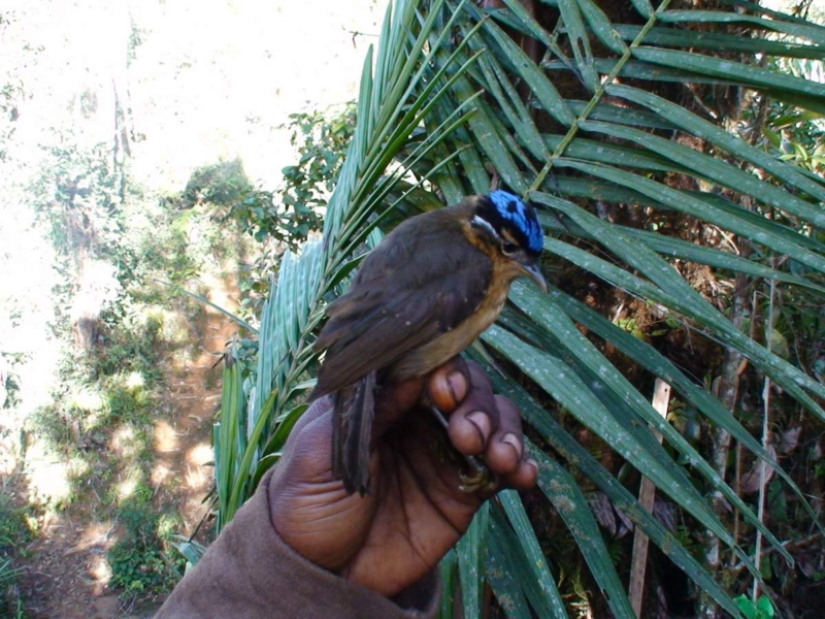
x=508, y=248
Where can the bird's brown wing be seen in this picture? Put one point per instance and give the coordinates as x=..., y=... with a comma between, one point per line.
x=410, y=289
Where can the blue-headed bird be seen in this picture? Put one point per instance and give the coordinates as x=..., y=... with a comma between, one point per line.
x=420, y=298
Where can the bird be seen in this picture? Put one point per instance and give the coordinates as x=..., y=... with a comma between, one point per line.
x=420, y=297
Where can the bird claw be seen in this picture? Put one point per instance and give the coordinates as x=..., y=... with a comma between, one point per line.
x=476, y=477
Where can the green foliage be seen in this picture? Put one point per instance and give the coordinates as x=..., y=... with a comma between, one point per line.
x=9, y=95
x=14, y=528
x=95, y=437
x=285, y=218
x=292, y=213
x=10, y=604
x=222, y=184
x=130, y=335
x=322, y=140
x=794, y=134
x=763, y=609
x=15, y=533
x=143, y=560
x=78, y=194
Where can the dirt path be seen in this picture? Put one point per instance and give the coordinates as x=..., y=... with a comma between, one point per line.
x=68, y=572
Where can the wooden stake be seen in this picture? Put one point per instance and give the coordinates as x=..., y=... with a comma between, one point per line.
x=647, y=495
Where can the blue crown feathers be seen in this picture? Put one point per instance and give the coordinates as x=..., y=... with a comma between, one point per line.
x=522, y=216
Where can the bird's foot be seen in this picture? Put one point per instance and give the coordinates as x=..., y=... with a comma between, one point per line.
x=474, y=475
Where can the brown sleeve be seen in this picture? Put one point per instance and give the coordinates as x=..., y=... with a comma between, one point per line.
x=249, y=573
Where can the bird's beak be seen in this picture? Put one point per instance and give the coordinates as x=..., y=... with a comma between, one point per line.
x=533, y=272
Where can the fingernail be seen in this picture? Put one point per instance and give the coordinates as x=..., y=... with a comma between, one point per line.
x=512, y=439
x=534, y=464
x=457, y=385
x=482, y=423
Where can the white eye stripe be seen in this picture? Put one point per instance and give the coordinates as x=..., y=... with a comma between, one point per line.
x=480, y=221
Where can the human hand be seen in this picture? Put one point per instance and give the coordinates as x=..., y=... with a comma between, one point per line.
x=415, y=511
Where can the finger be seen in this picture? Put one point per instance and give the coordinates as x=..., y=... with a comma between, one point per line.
x=307, y=455
x=524, y=477
x=505, y=453
x=318, y=408
x=398, y=398
x=449, y=384
x=306, y=463
x=505, y=447
x=446, y=387
x=476, y=418
x=393, y=401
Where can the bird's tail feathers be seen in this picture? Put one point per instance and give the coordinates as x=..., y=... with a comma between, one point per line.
x=352, y=415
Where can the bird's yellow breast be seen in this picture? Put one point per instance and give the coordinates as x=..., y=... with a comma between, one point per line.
x=426, y=358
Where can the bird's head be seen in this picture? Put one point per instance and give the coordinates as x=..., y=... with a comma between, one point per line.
x=510, y=227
